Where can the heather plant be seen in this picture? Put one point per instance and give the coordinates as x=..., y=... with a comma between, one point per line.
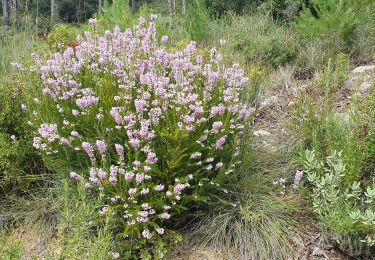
x=149, y=131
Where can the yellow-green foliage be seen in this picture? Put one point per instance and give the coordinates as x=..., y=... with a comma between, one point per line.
x=10, y=247
x=62, y=36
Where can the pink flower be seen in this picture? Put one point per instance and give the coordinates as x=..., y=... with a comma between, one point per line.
x=164, y=39
x=219, y=165
x=140, y=104
x=165, y=215
x=102, y=174
x=113, y=180
x=129, y=176
x=196, y=155
x=145, y=191
x=135, y=143
x=88, y=149
x=132, y=192
x=64, y=141
x=178, y=188
x=220, y=143
x=160, y=231
x=120, y=151
x=87, y=101
x=146, y=234
x=92, y=22
x=159, y=187
x=102, y=147
x=216, y=126
x=151, y=158
x=48, y=131
x=74, y=134
x=75, y=176
x=139, y=178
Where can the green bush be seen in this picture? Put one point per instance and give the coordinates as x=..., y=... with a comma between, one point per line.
x=320, y=127
x=257, y=39
x=196, y=20
x=62, y=36
x=253, y=223
x=282, y=10
x=18, y=162
x=337, y=24
x=348, y=212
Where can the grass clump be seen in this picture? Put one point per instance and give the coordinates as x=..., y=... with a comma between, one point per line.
x=81, y=234
x=253, y=224
x=10, y=247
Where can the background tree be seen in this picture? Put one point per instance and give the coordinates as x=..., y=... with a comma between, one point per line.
x=5, y=12
x=184, y=7
x=53, y=5
x=100, y=7
x=134, y=6
x=172, y=6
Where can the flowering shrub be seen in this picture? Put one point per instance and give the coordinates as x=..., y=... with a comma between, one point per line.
x=148, y=130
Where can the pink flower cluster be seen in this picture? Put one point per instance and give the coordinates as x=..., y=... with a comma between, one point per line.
x=153, y=125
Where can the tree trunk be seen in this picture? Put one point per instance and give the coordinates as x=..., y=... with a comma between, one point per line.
x=172, y=6
x=14, y=11
x=184, y=7
x=5, y=13
x=100, y=7
x=134, y=6
x=52, y=11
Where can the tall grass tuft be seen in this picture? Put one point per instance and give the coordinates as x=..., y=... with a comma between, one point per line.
x=254, y=224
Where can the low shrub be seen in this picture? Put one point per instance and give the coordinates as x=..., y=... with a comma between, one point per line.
x=63, y=36
x=347, y=212
x=257, y=39
x=339, y=25
x=196, y=20
x=282, y=10
x=319, y=126
x=151, y=132
x=19, y=165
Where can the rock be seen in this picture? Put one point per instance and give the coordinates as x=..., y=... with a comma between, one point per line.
x=361, y=78
x=365, y=86
x=362, y=69
x=319, y=252
x=272, y=100
x=261, y=132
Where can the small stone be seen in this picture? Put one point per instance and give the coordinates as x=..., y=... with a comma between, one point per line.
x=261, y=133
x=268, y=102
x=318, y=252
x=362, y=69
